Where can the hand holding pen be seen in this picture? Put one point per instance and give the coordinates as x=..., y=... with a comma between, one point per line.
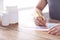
x=40, y=21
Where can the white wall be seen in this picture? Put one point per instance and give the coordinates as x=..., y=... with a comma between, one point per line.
x=1, y=5
x=23, y=4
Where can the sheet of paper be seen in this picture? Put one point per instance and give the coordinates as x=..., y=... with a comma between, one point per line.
x=49, y=26
x=40, y=28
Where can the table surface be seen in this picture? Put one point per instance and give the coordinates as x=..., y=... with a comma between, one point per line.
x=13, y=32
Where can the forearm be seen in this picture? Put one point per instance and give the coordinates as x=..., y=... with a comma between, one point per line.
x=41, y=4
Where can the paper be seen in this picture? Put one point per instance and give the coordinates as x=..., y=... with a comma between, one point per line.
x=40, y=28
x=49, y=26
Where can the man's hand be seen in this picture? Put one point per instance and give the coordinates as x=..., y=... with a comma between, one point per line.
x=40, y=22
x=55, y=30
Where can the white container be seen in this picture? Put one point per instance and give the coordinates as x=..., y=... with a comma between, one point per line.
x=13, y=14
x=5, y=20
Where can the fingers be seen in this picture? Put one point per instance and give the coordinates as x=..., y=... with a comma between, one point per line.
x=58, y=34
x=51, y=30
x=40, y=22
x=55, y=30
x=43, y=22
x=37, y=22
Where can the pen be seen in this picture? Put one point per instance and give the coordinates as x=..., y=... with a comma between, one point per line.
x=41, y=17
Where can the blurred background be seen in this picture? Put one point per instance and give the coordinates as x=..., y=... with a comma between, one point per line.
x=25, y=9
